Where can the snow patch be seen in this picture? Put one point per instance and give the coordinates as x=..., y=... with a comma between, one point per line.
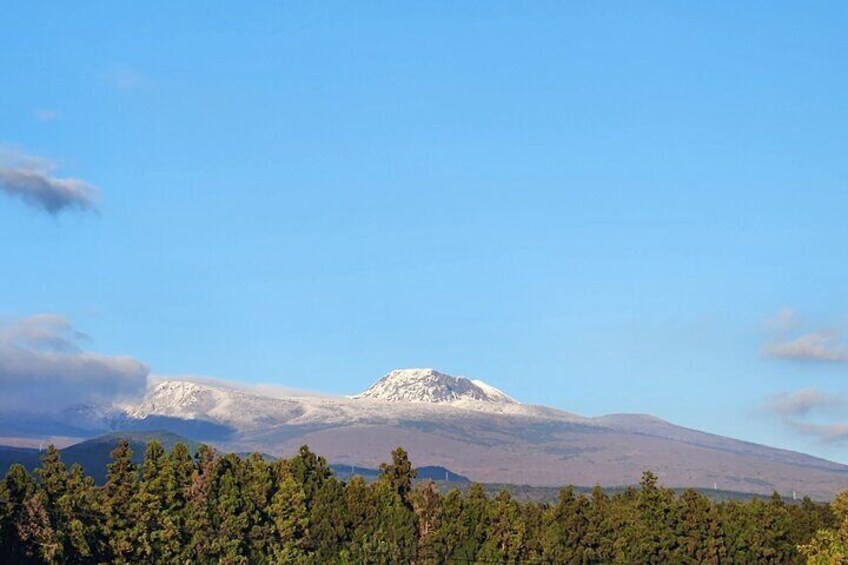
x=431, y=386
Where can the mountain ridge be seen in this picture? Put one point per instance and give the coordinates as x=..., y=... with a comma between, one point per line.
x=476, y=431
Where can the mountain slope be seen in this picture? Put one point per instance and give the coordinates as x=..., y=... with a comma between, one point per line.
x=94, y=454
x=476, y=431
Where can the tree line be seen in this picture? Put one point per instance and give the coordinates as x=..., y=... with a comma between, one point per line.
x=210, y=508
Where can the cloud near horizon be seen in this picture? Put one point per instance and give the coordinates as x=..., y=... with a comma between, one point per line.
x=32, y=180
x=44, y=369
x=825, y=346
x=797, y=409
x=820, y=346
x=827, y=433
x=800, y=403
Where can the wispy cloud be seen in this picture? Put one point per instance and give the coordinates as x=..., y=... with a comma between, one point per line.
x=826, y=346
x=43, y=367
x=801, y=402
x=827, y=433
x=806, y=412
x=125, y=77
x=44, y=332
x=785, y=320
x=47, y=115
x=823, y=345
x=32, y=180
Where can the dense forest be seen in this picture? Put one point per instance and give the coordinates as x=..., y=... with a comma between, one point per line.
x=210, y=508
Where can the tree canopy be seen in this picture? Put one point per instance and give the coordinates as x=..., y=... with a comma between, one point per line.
x=213, y=508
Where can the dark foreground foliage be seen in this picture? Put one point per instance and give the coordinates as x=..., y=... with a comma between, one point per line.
x=179, y=508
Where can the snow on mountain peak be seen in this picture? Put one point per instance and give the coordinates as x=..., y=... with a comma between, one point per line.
x=431, y=386
x=180, y=399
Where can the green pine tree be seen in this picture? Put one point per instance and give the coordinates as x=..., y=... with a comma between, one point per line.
x=120, y=513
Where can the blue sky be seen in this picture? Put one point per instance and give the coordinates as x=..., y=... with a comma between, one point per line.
x=602, y=210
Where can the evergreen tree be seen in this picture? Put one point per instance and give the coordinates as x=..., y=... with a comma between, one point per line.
x=533, y=516
x=399, y=475
x=290, y=521
x=229, y=518
x=830, y=546
x=477, y=518
x=150, y=504
x=37, y=532
x=228, y=510
x=428, y=507
x=119, y=494
x=310, y=471
x=565, y=530
x=506, y=540
x=391, y=535
x=768, y=536
x=455, y=530
x=313, y=475
x=654, y=539
x=256, y=493
x=52, y=478
x=83, y=517
x=598, y=541
x=328, y=519
x=7, y=526
x=176, y=474
x=18, y=488
x=700, y=529
x=198, y=508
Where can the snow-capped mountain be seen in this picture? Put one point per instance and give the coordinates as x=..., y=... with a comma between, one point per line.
x=462, y=424
x=401, y=394
x=429, y=385
x=217, y=403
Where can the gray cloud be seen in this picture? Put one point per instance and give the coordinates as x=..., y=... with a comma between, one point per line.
x=31, y=179
x=827, y=433
x=800, y=403
x=802, y=411
x=787, y=342
x=43, y=368
x=826, y=346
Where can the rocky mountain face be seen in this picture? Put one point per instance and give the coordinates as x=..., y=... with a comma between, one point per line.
x=467, y=426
